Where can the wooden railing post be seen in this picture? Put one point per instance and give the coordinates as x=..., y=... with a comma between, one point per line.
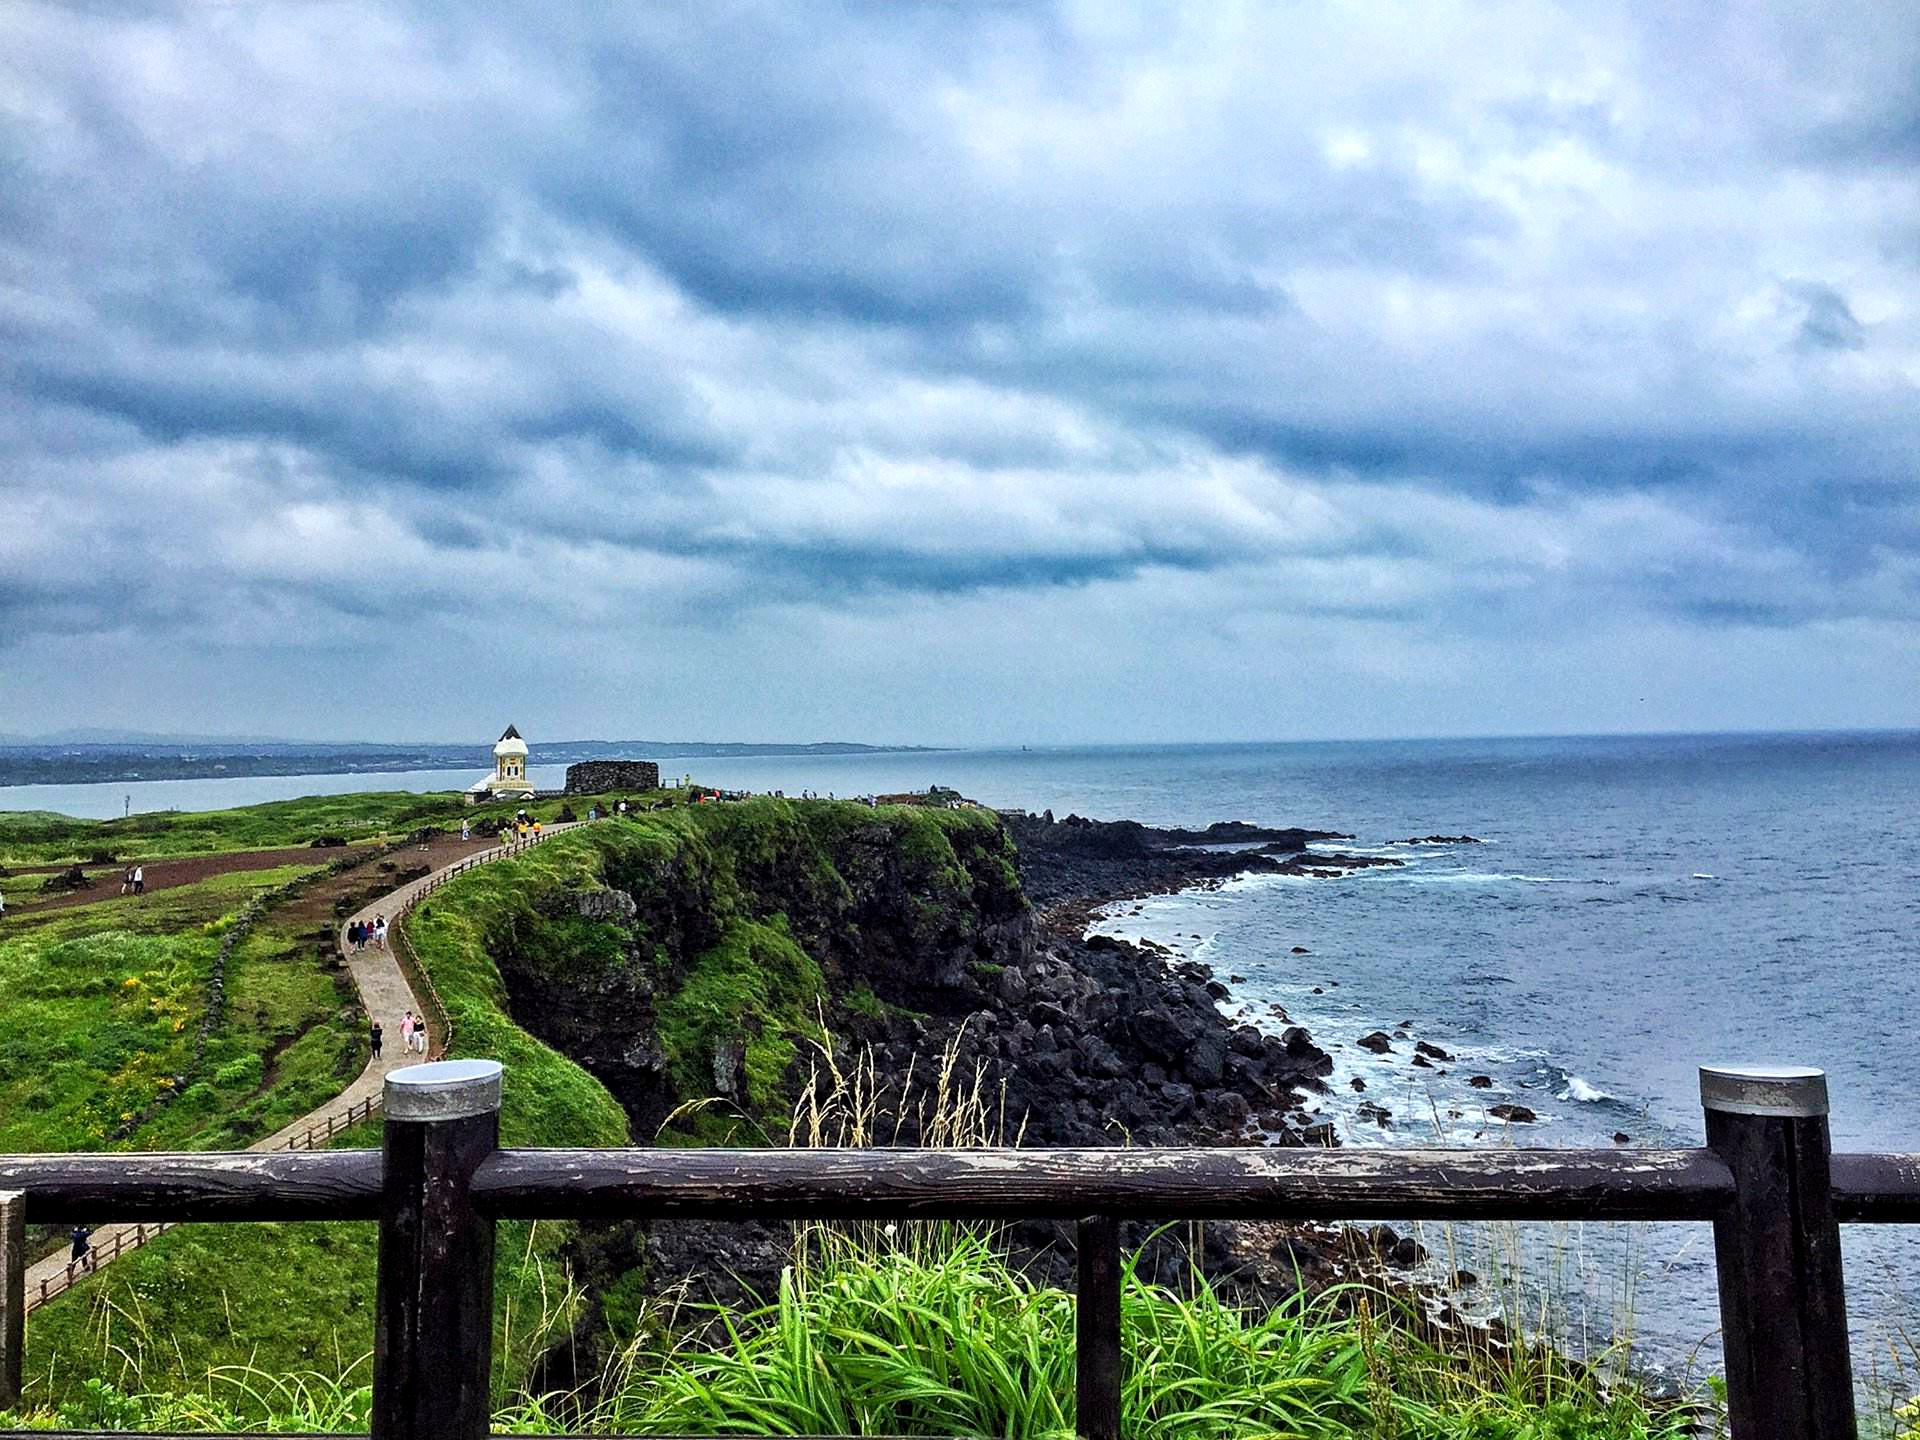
x=13, y=1294
x=1097, y=1331
x=433, y=1319
x=1783, y=1302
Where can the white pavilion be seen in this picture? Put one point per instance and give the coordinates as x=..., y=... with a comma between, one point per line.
x=509, y=779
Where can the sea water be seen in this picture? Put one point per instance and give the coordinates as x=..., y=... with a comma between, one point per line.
x=1640, y=906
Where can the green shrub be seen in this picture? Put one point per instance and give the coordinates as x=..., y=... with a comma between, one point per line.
x=245, y=1073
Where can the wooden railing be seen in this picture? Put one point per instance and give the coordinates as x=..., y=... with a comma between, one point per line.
x=1765, y=1180
x=53, y=1286
x=321, y=1132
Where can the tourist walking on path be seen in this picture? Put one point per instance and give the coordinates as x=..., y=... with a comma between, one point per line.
x=376, y=1039
x=82, y=1248
x=466, y=830
x=126, y=881
x=406, y=1031
x=139, y=880
x=380, y=931
x=420, y=1034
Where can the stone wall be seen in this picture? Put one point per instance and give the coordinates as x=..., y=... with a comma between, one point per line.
x=598, y=777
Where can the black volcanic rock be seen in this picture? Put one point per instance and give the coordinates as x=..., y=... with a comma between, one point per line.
x=1093, y=862
x=1238, y=832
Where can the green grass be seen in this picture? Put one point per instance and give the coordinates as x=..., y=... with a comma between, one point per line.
x=948, y=1341
x=735, y=901
x=38, y=837
x=547, y=1099
x=103, y=1005
x=756, y=984
x=951, y=1341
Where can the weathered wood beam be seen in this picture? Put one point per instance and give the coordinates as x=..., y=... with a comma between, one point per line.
x=278, y=1185
x=433, y=1302
x=1783, y=1300
x=1323, y=1184
x=1097, y=1357
x=1876, y=1189
x=1244, y=1183
x=13, y=1295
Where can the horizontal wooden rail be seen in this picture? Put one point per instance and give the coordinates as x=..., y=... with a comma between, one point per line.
x=1877, y=1189
x=948, y=1184
x=1136, y=1184
x=250, y=1185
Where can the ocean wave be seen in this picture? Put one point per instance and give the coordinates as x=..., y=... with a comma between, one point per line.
x=1490, y=877
x=1261, y=880
x=1583, y=1090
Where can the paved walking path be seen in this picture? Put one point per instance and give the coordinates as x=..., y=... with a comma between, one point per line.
x=386, y=996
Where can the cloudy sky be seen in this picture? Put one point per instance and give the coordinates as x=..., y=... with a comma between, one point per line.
x=948, y=373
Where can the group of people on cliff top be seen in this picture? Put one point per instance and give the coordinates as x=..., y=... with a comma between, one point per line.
x=362, y=932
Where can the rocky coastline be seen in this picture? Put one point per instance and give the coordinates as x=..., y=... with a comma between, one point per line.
x=1088, y=1040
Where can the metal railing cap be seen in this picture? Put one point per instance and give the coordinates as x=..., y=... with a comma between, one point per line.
x=443, y=1090
x=1791, y=1091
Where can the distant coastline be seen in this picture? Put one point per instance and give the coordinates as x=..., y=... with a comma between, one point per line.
x=88, y=763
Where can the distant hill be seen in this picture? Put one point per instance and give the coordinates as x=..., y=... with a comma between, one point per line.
x=69, y=760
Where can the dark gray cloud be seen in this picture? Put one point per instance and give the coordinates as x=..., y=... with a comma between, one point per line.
x=1404, y=351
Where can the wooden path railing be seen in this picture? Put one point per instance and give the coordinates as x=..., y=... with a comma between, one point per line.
x=56, y=1285
x=1765, y=1180
x=428, y=996
x=320, y=1132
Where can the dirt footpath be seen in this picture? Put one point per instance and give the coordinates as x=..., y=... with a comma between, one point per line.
x=22, y=886
x=159, y=874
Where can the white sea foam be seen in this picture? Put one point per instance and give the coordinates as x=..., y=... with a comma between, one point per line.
x=1260, y=880
x=1488, y=877
x=1583, y=1090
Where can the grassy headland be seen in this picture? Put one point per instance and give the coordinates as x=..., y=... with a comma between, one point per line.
x=722, y=936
